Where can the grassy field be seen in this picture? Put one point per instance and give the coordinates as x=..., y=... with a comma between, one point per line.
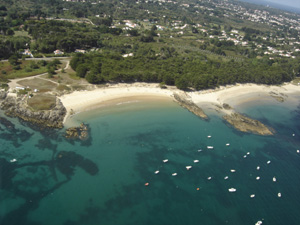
x=21, y=33
x=8, y=71
x=42, y=102
x=37, y=83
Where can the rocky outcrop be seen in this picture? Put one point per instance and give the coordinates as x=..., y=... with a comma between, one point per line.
x=2, y=95
x=16, y=107
x=278, y=96
x=246, y=124
x=192, y=107
x=80, y=132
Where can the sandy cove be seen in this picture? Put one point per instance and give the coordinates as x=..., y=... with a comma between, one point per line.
x=80, y=101
x=233, y=95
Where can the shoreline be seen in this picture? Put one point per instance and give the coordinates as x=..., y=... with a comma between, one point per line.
x=81, y=101
x=233, y=95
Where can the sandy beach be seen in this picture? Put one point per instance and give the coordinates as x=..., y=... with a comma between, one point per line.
x=233, y=95
x=80, y=101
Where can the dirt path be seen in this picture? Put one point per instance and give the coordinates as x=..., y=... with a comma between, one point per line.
x=14, y=83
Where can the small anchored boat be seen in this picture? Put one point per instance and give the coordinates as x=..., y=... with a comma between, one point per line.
x=188, y=167
x=165, y=160
x=232, y=190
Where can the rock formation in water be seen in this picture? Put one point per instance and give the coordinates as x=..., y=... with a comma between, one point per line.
x=246, y=124
x=192, y=107
x=81, y=132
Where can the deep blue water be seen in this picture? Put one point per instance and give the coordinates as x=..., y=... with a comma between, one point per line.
x=101, y=180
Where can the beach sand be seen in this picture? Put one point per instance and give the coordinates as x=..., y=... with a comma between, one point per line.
x=233, y=95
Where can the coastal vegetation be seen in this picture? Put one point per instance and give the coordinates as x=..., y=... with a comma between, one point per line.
x=191, y=45
x=193, y=72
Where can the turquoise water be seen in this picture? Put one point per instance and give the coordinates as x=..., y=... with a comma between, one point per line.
x=101, y=180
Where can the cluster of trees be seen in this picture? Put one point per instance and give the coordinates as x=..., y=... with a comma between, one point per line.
x=12, y=45
x=196, y=72
x=66, y=36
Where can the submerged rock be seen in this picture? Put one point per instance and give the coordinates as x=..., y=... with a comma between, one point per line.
x=192, y=107
x=278, y=96
x=81, y=132
x=246, y=124
x=67, y=161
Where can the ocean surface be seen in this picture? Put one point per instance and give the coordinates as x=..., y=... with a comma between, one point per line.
x=101, y=181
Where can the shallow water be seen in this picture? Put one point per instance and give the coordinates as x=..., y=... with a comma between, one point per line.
x=101, y=180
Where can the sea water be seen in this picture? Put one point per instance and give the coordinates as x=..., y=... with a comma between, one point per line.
x=102, y=180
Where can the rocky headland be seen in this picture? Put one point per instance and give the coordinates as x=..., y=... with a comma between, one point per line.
x=17, y=107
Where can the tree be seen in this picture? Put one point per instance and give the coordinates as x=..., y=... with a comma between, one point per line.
x=81, y=70
x=51, y=71
x=13, y=60
x=148, y=38
x=133, y=32
x=181, y=83
x=10, y=32
x=194, y=30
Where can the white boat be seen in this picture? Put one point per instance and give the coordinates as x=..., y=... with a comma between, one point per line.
x=279, y=195
x=232, y=171
x=196, y=161
x=293, y=135
x=225, y=178
x=274, y=179
x=252, y=196
x=257, y=178
x=269, y=162
x=248, y=153
x=258, y=223
x=258, y=167
x=208, y=136
x=232, y=190
x=209, y=178
x=188, y=167
x=13, y=160
x=210, y=147
x=245, y=156
x=227, y=144
x=165, y=160
x=200, y=150
x=298, y=151
x=156, y=172
x=174, y=174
